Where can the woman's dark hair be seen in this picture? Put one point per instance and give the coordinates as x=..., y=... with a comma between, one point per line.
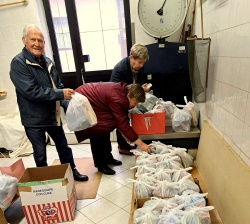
x=135, y=91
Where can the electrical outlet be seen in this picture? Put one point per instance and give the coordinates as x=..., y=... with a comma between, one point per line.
x=149, y=77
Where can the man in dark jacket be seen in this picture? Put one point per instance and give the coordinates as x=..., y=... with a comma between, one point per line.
x=39, y=95
x=111, y=102
x=130, y=70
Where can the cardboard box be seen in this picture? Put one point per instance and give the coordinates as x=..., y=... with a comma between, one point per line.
x=48, y=194
x=139, y=202
x=12, y=167
x=146, y=124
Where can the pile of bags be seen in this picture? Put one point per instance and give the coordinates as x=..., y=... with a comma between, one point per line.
x=181, y=120
x=163, y=176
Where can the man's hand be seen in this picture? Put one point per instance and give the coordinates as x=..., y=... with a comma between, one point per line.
x=67, y=93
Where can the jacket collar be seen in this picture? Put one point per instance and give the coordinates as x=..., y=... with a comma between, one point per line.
x=30, y=57
x=31, y=60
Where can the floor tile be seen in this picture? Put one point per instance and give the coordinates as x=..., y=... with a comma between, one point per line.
x=108, y=186
x=123, y=176
x=82, y=203
x=121, y=197
x=120, y=217
x=99, y=210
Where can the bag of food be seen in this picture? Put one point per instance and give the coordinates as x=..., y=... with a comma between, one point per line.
x=181, y=121
x=8, y=189
x=80, y=114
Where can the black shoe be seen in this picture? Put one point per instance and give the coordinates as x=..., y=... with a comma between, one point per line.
x=106, y=170
x=125, y=152
x=127, y=147
x=115, y=162
x=78, y=176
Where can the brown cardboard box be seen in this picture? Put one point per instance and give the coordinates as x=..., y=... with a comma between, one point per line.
x=48, y=194
x=139, y=202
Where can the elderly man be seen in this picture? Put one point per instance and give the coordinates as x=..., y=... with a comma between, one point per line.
x=39, y=95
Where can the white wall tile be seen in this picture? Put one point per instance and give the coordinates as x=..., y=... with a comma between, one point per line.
x=231, y=99
x=237, y=132
x=241, y=12
x=247, y=114
x=228, y=125
x=244, y=71
x=245, y=145
x=240, y=106
x=222, y=94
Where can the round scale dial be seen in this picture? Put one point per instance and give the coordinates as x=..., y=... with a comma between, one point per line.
x=161, y=18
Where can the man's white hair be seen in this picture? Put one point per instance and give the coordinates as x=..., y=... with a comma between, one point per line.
x=28, y=27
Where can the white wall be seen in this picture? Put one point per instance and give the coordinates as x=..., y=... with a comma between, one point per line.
x=227, y=22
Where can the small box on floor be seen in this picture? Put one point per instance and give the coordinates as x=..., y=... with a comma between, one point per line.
x=145, y=124
x=48, y=194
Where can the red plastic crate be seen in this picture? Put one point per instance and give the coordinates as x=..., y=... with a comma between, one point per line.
x=146, y=124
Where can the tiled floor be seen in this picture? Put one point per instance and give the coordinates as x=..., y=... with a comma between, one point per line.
x=113, y=200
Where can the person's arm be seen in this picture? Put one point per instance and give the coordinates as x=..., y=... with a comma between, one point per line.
x=143, y=146
x=26, y=84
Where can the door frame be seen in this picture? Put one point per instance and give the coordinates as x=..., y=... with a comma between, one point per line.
x=80, y=76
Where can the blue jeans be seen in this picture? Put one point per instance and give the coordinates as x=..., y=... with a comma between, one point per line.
x=37, y=138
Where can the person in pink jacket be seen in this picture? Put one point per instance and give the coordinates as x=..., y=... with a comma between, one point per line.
x=111, y=102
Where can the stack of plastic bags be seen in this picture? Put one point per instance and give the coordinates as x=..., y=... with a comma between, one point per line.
x=164, y=174
x=181, y=120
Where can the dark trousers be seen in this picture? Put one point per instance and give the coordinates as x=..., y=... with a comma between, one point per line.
x=37, y=138
x=101, y=150
x=121, y=141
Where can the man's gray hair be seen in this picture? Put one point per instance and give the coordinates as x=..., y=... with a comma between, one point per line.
x=138, y=51
x=28, y=27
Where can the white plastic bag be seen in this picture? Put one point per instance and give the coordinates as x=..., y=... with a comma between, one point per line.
x=8, y=189
x=80, y=115
x=193, y=110
x=181, y=121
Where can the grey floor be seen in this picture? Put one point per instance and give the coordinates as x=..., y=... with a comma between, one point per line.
x=113, y=200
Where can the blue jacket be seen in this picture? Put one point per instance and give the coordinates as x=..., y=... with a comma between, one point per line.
x=122, y=72
x=36, y=96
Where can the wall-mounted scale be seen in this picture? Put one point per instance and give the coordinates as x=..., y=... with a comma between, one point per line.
x=167, y=67
x=161, y=18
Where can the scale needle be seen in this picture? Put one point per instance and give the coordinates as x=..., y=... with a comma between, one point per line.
x=160, y=11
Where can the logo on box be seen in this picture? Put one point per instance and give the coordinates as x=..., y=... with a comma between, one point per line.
x=48, y=213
